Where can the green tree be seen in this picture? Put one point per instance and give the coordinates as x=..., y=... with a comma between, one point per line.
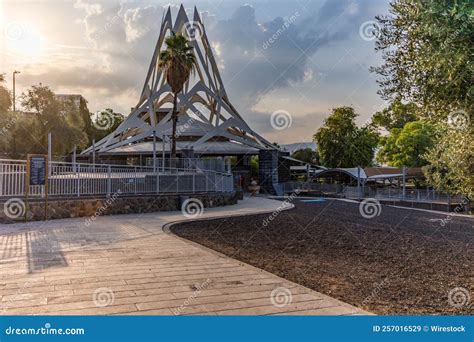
x=105, y=122
x=396, y=115
x=85, y=114
x=451, y=163
x=177, y=62
x=5, y=98
x=428, y=55
x=307, y=155
x=407, y=146
x=428, y=52
x=48, y=115
x=342, y=144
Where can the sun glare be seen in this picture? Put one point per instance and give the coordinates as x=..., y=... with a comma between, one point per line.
x=24, y=41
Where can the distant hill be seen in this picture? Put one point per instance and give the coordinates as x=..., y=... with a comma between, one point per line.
x=298, y=146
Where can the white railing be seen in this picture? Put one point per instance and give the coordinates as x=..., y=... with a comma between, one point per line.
x=215, y=164
x=411, y=195
x=80, y=179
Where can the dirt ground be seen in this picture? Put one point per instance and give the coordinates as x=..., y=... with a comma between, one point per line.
x=400, y=262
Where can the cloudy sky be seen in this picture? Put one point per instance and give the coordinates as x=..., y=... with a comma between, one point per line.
x=102, y=49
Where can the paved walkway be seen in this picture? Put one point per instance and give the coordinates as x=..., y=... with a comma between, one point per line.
x=126, y=264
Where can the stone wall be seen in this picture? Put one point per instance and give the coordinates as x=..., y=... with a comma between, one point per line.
x=117, y=204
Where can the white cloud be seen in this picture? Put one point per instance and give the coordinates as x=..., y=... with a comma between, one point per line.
x=105, y=51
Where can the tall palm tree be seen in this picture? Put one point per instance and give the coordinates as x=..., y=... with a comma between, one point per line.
x=177, y=62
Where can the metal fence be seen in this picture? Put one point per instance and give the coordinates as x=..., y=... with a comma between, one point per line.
x=412, y=195
x=292, y=186
x=214, y=164
x=79, y=179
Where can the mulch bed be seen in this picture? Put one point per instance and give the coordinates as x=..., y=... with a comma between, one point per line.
x=400, y=262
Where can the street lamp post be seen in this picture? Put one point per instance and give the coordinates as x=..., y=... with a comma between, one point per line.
x=14, y=98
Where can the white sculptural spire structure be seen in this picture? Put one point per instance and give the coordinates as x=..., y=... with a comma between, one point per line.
x=203, y=105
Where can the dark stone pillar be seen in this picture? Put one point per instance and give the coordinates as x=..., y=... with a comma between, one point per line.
x=272, y=170
x=187, y=158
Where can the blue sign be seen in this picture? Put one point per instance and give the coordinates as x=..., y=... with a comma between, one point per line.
x=238, y=328
x=37, y=170
x=318, y=200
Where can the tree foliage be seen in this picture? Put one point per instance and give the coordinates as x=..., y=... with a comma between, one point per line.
x=342, y=144
x=451, y=163
x=307, y=155
x=177, y=62
x=407, y=146
x=396, y=115
x=428, y=60
x=5, y=98
x=104, y=123
x=428, y=53
x=27, y=132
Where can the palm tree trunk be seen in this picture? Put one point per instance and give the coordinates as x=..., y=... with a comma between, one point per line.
x=174, y=118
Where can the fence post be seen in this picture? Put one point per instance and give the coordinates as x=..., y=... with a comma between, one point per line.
x=74, y=157
x=163, y=147
x=194, y=182
x=154, y=151
x=109, y=181
x=78, y=174
x=404, y=170
x=135, y=179
x=358, y=182
x=1, y=179
x=157, y=182
x=50, y=152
